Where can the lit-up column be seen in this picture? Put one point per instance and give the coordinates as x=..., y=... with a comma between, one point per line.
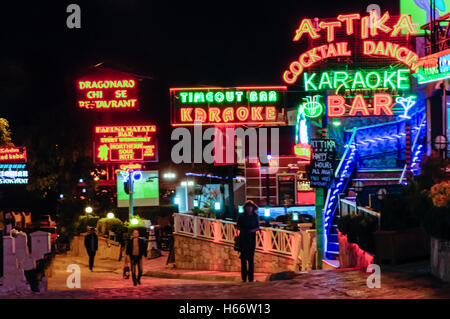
x=408, y=147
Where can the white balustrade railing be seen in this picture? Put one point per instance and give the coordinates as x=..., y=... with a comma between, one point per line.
x=299, y=245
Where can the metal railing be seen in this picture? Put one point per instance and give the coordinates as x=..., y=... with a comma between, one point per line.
x=299, y=245
x=348, y=207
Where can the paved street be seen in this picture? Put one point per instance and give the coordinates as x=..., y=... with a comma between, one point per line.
x=408, y=282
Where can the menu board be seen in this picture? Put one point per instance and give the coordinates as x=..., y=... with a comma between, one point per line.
x=323, y=155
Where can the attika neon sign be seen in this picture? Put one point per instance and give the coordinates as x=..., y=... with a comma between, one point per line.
x=369, y=26
x=13, y=155
x=108, y=94
x=124, y=144
x=228, y=106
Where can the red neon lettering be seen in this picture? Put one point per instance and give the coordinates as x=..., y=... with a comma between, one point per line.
x=404, y=22
x=348, y=19
x=185, y=113
x=335, y=105
x=242, y=113
x=364, y=28
x=271, y=113
x=214, y=114
x=378, y=24
x=359, y=105
x=330, y=28
x=402, y=54
x=306, y=27
x=383, y=102
x=228, y=114
x=200, y=115
x=256, y=113
x=313, y=56
x=302, y=60
x=288, y=79
x=120, y=94
x=331, y=50
x=369, y=47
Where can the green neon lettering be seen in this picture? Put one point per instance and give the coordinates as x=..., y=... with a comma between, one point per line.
x=219, y=97
x=183, y=96
x=328, y=81
x=229, y=95
x=273, y=96
x=387, y=79
x=199, y=97
x=338, y=79
x=368, y=80
x=253, y=96
x=401, y=79
x=308, y=81
x=358, y=75
x=263, y=96
x=210, y=97
x=239, y=96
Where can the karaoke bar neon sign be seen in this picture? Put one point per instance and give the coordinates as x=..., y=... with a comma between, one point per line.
x=381, y=104
x=369, y=26
x=125, y=144
x=228, y=106
x=108, y=94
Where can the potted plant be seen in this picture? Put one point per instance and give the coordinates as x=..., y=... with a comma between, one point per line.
x=437, y=224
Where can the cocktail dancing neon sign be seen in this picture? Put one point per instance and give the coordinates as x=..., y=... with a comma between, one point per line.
x=385, y=31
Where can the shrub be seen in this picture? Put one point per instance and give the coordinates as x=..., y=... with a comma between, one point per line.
x=359, y=229
x=84, y=222
x=105, y=225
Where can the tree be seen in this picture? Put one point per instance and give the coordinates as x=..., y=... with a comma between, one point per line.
x=5, y=133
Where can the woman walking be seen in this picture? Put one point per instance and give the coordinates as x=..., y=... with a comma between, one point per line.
x=248, y=225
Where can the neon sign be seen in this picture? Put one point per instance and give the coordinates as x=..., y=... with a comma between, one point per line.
x=312, y=108
x=407, y=104
x=380, y=37
x=228, y=106
x=303, y=151
x=398, y=79
x=13, y=154
x=380, y=105
x=107, y=90
x=124, y=144
x=13, y=174
x=434, y=67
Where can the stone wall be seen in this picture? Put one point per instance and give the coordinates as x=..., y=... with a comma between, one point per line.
x=105, y=250
x=440, y=259
x=198, y=254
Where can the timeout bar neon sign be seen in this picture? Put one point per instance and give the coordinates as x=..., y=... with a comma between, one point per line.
x=216, y=106
x=125, y=144
x=369, y=26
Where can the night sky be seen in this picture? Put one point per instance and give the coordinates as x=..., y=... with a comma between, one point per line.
x=172, y=43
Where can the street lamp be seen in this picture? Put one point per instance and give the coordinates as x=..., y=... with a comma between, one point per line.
x=134, y=221
x=88, y=210
x=110, y=215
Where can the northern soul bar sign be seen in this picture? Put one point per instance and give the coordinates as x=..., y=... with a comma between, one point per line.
x=263, y=105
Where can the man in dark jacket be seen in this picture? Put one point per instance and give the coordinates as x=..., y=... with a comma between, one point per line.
x=136, y=248
x=248, y=225
x=91, y=243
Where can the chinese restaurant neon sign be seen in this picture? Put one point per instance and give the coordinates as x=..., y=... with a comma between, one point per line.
x=398, y=79
x=228, y=106
x=13, y=155
x=108, y=94
x=380, y=37
x=124, y=144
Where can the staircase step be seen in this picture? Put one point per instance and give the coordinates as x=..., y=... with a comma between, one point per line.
x=333, y=246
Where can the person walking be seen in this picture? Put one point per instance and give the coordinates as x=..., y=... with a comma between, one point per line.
x=136, y=248
x=248, y=225
x=91, y=244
